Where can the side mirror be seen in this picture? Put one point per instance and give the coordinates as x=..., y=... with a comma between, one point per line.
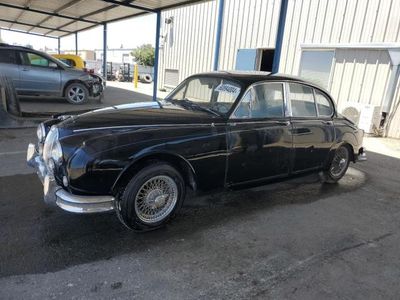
x=53, y=65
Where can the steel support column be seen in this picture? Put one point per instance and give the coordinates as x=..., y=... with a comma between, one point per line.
x=279, y=36
x=58, y=46
x=105, y=51
x=156, y=56
x=76, y=43
x=219, y=32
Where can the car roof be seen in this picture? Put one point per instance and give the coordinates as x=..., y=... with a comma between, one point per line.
x=8, y=46
x=251, y=77
x=15, y=47
x=247, y=78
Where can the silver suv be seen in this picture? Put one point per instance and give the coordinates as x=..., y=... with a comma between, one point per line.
x=35, y=73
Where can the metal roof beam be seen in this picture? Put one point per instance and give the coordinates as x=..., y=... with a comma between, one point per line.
x=65, y=6
x=53, y=14
x=126, y=4
x=88, y=15
x=109, y=21
x=27, y=3
x=84, y=16
x=30, y=24
x=31, y=33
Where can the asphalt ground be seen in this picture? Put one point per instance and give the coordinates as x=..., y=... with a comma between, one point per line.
x=296, y=239
x=113, y=95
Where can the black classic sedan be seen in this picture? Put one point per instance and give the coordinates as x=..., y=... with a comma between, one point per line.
x=215, y=130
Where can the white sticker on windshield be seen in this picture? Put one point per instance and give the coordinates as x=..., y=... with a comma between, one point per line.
x=228, y=88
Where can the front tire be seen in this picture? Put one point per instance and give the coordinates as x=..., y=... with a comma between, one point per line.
x=76, y=93
x=338, y=166
x=151, y=198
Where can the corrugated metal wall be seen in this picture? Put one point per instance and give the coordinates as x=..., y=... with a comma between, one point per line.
x=334, y=22
x=247, y=24
x=190, y=40
x=358, y=75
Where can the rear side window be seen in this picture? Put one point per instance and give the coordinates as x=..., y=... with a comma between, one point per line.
x=324, y=106
x=302, y=100
x=7, y=56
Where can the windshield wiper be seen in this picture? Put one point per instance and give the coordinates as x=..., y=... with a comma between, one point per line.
x=192, y=105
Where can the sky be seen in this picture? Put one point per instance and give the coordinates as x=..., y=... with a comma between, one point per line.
x=129, y=33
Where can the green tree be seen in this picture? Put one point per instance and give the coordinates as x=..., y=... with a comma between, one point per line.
x=144, y=55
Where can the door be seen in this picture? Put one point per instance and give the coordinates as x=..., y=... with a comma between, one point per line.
x=259, y=136
x=38, y=75
x=313, y=131
x=8, y=65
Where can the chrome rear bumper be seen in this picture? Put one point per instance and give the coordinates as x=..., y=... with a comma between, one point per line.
x=362, y=156
x=55, y=194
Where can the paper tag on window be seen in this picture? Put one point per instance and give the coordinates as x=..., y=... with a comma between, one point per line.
x=228, y=88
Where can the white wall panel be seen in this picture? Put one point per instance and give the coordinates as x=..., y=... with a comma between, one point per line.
x=189, y=45
x=337, y=21
x=247, y=24
x=360, y=76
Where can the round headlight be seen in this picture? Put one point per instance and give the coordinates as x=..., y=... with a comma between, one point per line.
x=52, y=148
x=56, y=152
x=41, y=133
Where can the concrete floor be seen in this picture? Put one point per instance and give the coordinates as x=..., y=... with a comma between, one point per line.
x=114, y=94
x=292, y=240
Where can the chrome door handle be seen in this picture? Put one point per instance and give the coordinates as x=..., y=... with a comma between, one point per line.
x=327, y=122
x=285, y=123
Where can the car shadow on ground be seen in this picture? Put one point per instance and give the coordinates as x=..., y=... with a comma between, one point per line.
x=38, y=239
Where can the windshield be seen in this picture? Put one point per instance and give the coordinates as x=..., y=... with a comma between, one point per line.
x=209, y=93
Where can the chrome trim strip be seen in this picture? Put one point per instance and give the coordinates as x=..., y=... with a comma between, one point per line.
x=79, y=199
x=85, y=208
x=148, y=125
x=361, y=157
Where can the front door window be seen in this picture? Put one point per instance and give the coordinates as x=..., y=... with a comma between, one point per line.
x=262, y=101
x=35, y=60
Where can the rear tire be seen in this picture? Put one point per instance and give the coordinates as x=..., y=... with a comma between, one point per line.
x=151, y=198
x=338, y=166
x=76, y=93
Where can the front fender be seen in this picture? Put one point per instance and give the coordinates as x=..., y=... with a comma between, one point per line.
x=139, y=160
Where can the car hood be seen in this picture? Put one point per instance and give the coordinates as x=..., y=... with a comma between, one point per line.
x=74, y=71
x=136, y=114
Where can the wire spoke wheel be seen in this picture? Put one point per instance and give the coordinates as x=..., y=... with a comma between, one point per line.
x=156, y=199
x=339, y=162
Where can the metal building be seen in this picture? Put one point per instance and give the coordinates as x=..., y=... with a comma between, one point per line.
x=350, y=47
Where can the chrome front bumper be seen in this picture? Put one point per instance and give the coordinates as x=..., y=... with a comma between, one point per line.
x=55, y=194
